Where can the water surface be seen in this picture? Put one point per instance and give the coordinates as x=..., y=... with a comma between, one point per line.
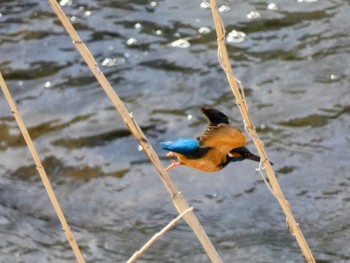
x=161, y=59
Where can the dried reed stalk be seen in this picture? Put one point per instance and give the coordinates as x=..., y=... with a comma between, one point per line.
x=138, y=253
x=41, y=170
x=241, y=103
x=179, y=201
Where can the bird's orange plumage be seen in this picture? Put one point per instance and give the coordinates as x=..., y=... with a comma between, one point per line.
x=213, y=161
x=219, y=145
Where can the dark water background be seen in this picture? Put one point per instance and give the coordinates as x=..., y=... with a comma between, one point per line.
x=294, y=61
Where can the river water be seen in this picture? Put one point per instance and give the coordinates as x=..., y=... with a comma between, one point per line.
x=160, y=57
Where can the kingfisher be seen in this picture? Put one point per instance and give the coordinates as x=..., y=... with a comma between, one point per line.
x=219, y=145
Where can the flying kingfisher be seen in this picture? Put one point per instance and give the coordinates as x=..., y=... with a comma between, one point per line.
x=219, y=145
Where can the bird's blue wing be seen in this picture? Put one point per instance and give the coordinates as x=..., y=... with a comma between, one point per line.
x=187, y=147
x=183, y=146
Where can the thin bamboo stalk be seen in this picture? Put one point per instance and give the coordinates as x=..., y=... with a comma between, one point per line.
x=158, y=235
x=41, y=170
x=241, y=103
x=179, y=201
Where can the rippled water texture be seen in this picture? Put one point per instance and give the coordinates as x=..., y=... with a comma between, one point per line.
x=160, y=57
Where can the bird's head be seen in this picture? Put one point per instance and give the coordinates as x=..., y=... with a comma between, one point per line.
x=235, y=157
x=242, y=153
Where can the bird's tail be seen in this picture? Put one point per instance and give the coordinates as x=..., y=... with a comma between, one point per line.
x=214, y=116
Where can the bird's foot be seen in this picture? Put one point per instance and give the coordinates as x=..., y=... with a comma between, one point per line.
x=172, y=165
x=170, y=154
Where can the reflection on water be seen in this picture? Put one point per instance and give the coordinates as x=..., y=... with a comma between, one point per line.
x=161, y=58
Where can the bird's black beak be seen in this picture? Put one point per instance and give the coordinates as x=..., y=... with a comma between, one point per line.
x=246, y=154
x=254, y=158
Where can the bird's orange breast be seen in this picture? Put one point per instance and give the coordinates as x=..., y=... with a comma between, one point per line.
x=210, y=162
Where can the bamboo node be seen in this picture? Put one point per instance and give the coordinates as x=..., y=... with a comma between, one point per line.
x=249, y=128
x=287, y=203
x=98, y=70
x=291, y=228
x=140, y=136
x=265, y=161
x=77, y=42
x=176, y=195
x=240, y=102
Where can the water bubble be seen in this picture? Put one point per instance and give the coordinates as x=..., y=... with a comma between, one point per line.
x=140, y=148
x=131, y=41
x=236, y=36
x=334, y=77
x=211, y=196
x=224, y=9
x=159, y=32
x=204, y=30
x=204, y=5
x=87, y=13
x=189, y=117
x=253, y=15
x=137, y=26
x=272, y=6
x=109, y=62
x=66, y=2
x=47, y=84
x=180, y=43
